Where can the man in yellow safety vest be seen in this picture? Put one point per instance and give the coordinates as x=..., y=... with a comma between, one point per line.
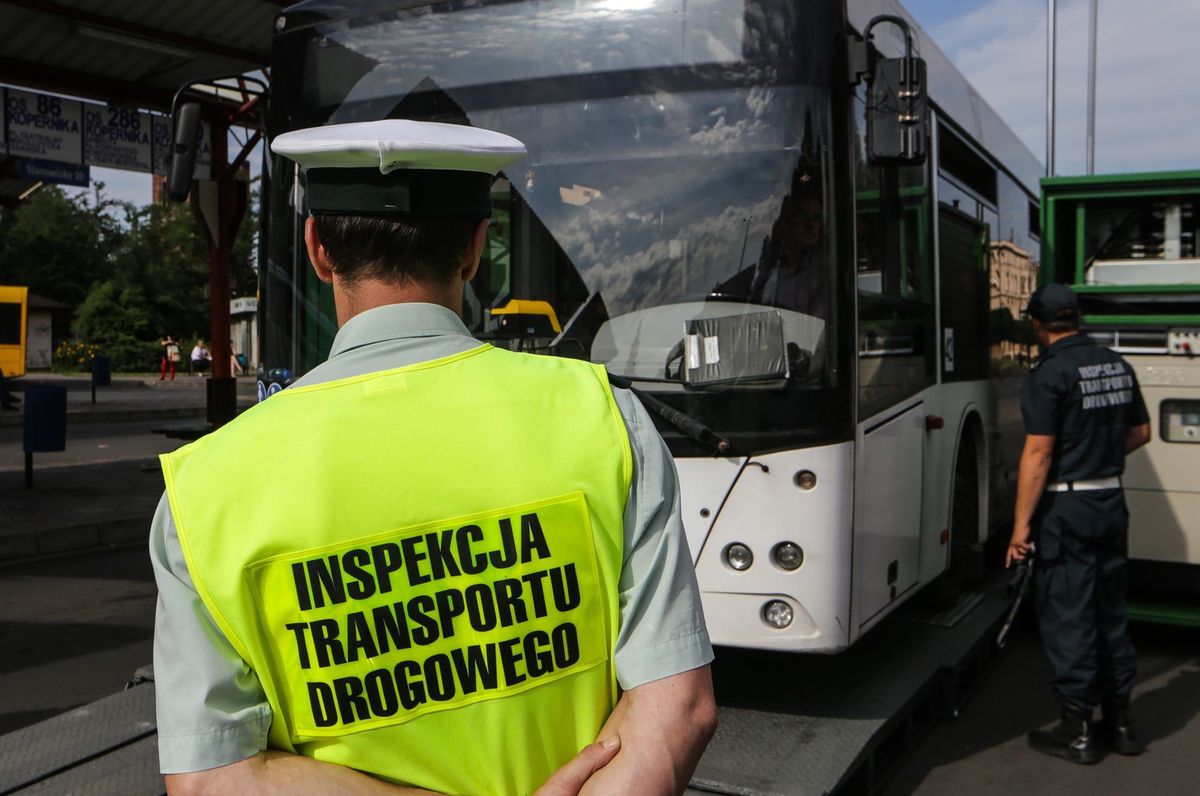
x=430, y=565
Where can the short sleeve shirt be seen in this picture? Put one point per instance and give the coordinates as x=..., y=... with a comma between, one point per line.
x=210, y=707
x=1086, y=397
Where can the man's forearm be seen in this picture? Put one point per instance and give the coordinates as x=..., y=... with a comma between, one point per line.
x=1136, y=437
x=664, y=727
x=1031, y=478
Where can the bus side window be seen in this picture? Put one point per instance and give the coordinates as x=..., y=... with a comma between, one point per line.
x=12, y=330
x=893, y=267
x=10, y=323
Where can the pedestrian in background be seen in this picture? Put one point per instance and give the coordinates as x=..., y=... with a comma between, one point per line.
x=201, y=358
x=235, y=361
x=531, y=606
x=170, y=357
x=1083, y=413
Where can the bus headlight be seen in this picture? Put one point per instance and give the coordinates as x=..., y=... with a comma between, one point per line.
x=777, y=614
x=738, y=556
x=787, y=555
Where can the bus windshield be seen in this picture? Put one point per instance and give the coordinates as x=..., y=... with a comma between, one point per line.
x=674, y=207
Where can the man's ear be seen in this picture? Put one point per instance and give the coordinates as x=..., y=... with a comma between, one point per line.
x=471, y=262
x=316, y=251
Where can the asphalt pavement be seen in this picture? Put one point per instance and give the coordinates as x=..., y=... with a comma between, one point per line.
x=128, y=397
x=73, y=629
x=985, y=752
x=102, y=490
x=89, y=444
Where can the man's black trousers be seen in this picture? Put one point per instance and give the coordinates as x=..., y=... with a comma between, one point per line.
x=1080, y=580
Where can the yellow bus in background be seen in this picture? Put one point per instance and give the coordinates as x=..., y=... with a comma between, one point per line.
x=13, y=309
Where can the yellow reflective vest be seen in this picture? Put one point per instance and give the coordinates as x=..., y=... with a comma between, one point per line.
x=420, y=565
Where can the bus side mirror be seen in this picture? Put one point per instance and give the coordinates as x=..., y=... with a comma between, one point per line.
x=897, y=106
x=186, y=123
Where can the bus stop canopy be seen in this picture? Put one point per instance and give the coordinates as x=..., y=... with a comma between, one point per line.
x=131, y=52
x=128, y=53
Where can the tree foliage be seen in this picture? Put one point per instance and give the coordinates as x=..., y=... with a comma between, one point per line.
x=131, y=274
x=58, y=245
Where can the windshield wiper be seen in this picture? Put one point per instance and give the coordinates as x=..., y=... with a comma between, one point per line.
x=680, y=420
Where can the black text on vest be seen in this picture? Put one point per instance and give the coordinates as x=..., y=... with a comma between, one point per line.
x=361, y=572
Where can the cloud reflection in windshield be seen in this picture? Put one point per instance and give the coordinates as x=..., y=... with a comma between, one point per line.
x=682, y=185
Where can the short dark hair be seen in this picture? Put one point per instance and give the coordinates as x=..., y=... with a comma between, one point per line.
x=395, y=249
x=1065, y=320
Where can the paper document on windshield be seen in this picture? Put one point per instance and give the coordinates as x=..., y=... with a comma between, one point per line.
x=692, y=346
x=745, y=348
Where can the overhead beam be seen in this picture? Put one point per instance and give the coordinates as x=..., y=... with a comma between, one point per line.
x=191, y=42
x=82, y=84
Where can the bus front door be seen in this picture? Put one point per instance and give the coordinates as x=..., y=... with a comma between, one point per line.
x=887, y=509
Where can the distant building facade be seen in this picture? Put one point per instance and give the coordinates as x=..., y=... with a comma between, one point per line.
x=46, y=322
x=1012, y=278
x=158, y=189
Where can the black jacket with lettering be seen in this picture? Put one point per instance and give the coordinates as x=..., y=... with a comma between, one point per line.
x=1087, y=397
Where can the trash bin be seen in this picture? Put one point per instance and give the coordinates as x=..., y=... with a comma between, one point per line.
x=101, y=372
x=45, y=419
x=45, y=424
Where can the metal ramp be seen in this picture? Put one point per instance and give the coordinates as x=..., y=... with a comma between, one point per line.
x=806, y=724
x=106, y=747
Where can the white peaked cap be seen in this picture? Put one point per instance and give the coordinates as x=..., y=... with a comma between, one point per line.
x=395, y=144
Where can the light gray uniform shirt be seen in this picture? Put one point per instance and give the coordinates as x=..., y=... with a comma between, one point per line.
x=211, y=708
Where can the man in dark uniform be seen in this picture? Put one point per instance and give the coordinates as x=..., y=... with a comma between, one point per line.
x=1083, y=414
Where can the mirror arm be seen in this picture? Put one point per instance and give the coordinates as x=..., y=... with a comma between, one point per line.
x=858, y=59
x=910, y=69
x=899, y=22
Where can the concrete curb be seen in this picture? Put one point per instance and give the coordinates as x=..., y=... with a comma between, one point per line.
x=119, y=383
x=123, y=384
x=74, y=538
x=117, y=415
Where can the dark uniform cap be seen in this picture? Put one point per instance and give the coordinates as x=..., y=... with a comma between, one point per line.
x=1049, y=300
x=399, y=167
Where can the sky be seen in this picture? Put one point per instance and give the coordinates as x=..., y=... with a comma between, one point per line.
x=1147, y=112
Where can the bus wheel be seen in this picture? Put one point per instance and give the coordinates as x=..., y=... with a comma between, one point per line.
x=964, y=529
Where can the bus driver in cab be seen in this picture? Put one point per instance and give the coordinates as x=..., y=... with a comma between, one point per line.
x=790, y=272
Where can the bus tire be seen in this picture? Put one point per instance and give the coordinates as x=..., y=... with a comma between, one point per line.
x=964, y=528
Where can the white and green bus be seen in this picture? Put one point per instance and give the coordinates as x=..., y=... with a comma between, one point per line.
x=704, y=213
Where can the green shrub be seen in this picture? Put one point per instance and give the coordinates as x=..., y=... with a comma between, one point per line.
x=74, y=356
x=125, y=354
x=128, y=355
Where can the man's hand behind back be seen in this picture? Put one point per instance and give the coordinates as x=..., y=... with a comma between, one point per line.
x=570, y=778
